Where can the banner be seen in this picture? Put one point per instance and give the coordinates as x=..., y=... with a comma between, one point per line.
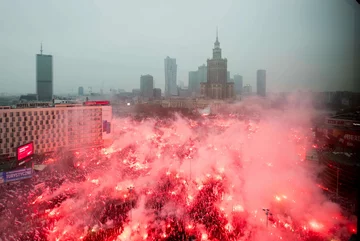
x=342, y=137
x=2, y=179
x=16, y=175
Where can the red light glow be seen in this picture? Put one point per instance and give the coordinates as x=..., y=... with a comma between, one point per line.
x=25, y=151
x=171, y=179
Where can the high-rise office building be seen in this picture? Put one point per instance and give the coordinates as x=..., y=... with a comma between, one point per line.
x=228, y=76
x=44, y=76
x=81, y=90
x=238, y=82
x=157, y=93
x=147, y=86
x=196, y=78
x=170, y=77
x=261, y=82
x=217, y=86
x=193, y=81
x=202, y=74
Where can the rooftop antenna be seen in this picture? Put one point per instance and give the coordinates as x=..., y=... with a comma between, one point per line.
x=41, y=49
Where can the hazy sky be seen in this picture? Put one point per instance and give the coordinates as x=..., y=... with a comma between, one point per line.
x=301, y=43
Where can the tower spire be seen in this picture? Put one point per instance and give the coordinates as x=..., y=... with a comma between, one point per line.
x=217, y=49
x=217, y=34
x=41, y=49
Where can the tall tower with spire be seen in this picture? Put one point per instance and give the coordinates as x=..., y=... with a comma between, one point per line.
x=217, y=49
x=217, y=86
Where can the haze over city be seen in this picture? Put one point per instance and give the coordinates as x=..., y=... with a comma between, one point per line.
x=143, y=120
x=302, y=44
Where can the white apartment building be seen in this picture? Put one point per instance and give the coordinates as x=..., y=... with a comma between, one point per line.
x=51, y=128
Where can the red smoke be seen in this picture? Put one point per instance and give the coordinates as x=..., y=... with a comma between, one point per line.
x=210, y=178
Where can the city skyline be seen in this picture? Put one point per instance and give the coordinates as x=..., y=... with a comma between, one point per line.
x=297, y=54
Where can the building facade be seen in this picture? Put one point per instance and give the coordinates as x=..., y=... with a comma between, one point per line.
x=196, y=78
x=202, y=74
x=238, y=82
x=261, y=82
x=52, y=128
x=217, y=86
x=157, y=93
x=44, y=77
x=193, y=82
x=184, y=92
x=247, y=90
x=81, y=91
x=147, y=86
x=170, y=77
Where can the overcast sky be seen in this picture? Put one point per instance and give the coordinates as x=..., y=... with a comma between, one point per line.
x=305, y=44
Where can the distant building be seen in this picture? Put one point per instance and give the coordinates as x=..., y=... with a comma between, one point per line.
x=238, y=82
x=81, y=90
x=147, y=86
x=261, y=82
x=193, y=82
x=182, y=84
x=217, y=86
x=28, y=98
x=184, y=93
x=202, y=75
x=228, y=77
x=170, y=77
x=157, y=93
x=113, y=91
x=136, y=92
x=247, y=89
x=196, y=78
x=44, y=76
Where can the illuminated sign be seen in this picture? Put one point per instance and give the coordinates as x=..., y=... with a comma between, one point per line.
x=16, y=175
x=338, y=122
x=2, y=178
x=25, y=151
x=97, y=102
x=350, y=137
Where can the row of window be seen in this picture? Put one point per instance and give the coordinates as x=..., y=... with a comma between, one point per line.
x=47, y=122
x=29, y=118
x=46, y=112
x=32, y=124
x=56, y=128
x=32, y=112
x=47, y=118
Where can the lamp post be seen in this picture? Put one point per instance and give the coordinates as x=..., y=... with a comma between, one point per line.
x=267, y=213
